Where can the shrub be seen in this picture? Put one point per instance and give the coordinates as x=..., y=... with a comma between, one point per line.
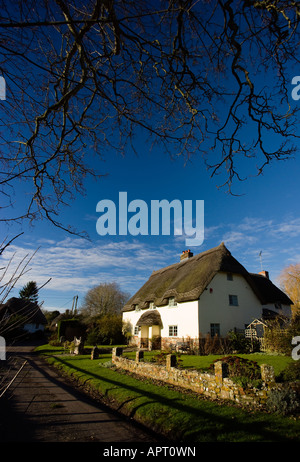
x=215, y=345
x=244, y=382
x=161, y=358
x=240, y=367
x=279, y=334
x=291, y=373
x=106, y=330
x=285, y=401
x=93, y=337
x=239, y=343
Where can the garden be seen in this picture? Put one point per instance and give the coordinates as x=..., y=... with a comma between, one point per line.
x=181, y=415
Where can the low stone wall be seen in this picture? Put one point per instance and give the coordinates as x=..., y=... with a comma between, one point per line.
x=214, y=386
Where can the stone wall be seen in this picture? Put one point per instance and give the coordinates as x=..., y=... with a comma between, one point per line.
x=214, y=386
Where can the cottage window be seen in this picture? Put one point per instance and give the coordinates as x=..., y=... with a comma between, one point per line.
x=233, y=300
x=152, y=306
x=137, y=308
x=215, y=330
x=172, y=301
x=136, y=330
x=173, y=331
x=229, y=277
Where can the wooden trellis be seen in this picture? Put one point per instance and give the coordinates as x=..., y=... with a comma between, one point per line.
x=255, y=331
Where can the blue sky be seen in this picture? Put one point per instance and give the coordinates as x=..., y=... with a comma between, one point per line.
x=264, y=217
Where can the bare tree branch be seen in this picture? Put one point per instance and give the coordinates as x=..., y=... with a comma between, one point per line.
x=87, y=77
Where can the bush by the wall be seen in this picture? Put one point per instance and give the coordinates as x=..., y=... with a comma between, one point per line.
x=285, y=401
x=291, y=373
x=240, y=367
x=279, y=333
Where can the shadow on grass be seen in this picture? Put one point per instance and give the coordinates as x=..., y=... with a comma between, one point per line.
x=206, y=421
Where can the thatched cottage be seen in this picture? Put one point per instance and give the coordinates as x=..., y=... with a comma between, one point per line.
x=28, y=314
x=209, y=293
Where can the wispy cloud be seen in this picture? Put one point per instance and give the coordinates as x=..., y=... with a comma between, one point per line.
x=277, y=239
x=75, y=264
x=253, y=230
x=288, y=228
x=235, y=239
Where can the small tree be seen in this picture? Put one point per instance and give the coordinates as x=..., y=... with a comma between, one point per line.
x=290, y=282
x=29, y=292
x=106, y=298
x=107, y=330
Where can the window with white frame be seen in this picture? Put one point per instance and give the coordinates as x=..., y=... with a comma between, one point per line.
x=233, y=300
x=136, y=330
x=172, y=301
x=173, y=331
x=152, y=306
x=137, y=308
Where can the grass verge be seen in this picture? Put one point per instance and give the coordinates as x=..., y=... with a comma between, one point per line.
x=180, y=416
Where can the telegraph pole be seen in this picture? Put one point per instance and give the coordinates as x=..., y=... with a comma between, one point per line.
x=74, y=304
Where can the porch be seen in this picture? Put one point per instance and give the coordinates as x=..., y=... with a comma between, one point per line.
x=150, y=325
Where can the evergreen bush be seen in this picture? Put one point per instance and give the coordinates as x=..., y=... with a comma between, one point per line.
x=285, y=401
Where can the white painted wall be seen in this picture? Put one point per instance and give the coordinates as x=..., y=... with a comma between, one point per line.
x=184, y=316
x=214, y=304
x=132, y=318
x=284, y=310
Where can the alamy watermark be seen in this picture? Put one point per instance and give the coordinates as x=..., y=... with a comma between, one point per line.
x=296, y=90
x=135, y=218
x=2, y=88
x=2, y=349
x=296, y=350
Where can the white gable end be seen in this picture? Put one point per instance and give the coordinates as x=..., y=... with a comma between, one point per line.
x=228, y=303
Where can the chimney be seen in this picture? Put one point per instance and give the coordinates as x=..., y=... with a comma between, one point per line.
x=265, y=274
x=186, y=254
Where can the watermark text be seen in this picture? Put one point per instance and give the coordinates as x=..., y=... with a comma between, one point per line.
x=296, y=350
x=2, y=88
x=2, y=349
x=296, y=89
x=134, y=218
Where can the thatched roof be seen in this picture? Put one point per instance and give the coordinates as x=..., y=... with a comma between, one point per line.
x=25, y=308
x=150, y=318
x=270, y=292
x=187, y=280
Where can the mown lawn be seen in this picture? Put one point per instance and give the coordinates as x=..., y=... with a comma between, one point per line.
x=202, y=363
x=178, y=415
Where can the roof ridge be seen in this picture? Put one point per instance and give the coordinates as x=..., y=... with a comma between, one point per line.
x=195, y=257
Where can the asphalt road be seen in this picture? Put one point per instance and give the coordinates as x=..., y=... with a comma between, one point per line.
x=41, y=406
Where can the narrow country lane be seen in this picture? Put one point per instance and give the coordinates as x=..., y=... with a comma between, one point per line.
x=40, y=406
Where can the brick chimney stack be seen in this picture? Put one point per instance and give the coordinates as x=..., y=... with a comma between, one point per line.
x=186, y=254
x=265, y=274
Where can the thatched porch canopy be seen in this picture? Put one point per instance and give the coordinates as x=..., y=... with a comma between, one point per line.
x=150, y=318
